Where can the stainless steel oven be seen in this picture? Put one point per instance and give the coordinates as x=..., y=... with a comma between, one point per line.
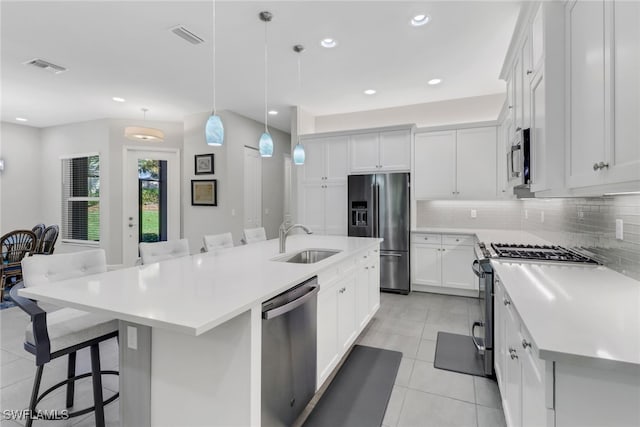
x=482, y=329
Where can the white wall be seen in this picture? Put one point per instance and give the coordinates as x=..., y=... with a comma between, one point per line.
x=464, y=110
x=229, y=163
x=20, y=203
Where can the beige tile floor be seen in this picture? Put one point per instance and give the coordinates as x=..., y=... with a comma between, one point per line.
x=422, y=395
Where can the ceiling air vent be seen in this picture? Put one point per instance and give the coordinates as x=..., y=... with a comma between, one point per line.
x=45, y=65
x=189, y=36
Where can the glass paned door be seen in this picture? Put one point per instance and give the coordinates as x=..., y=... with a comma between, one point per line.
x=152, y=200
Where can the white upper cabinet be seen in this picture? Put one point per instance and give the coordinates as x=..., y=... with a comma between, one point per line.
x=455, y=164
x=435, y=162
x=537, y=40
x=604, y=98
x=385, y=151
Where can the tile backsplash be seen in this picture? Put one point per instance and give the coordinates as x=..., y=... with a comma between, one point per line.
x=587, y=223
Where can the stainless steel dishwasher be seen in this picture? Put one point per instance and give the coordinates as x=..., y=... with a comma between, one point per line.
x=289, y=353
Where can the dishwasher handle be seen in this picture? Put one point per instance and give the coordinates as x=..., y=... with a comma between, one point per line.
x=283, y=309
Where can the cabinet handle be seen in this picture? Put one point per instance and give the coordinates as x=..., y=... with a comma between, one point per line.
x=525, y=344
x=426, y=238
x=529, y=72
x=513, y=353
x=596, y=166
x=510, y=107
x=366, y=268
x=506, y=302
x=457, y=240
x=603, y=165
x=373, y=267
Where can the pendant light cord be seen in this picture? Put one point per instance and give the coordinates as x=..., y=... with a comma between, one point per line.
x=265, y=76
x=214, y=57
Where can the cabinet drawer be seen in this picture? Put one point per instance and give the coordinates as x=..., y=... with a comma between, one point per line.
x=426, y=238
x=458, y=239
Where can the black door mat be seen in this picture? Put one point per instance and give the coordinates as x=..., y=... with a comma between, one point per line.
x=359, y=393
x=457, y=353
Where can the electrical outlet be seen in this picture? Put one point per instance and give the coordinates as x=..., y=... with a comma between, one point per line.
x=580, y=215
x=526, y=214
x=233, y=212
x=542, y=216
x=619, y=229
x=474, y=213
x=132, y=337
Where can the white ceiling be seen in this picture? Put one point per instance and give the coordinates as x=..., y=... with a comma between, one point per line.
x=125, y=49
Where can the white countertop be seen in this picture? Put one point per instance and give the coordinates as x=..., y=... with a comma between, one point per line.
x=574, y=311
x=488, y=235
x=197, y=293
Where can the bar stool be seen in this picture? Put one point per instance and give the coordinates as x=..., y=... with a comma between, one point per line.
x=160, y=251
x=217, y=241
x=254, y=235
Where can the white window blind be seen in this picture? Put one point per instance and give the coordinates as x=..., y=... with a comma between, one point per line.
x=81, y=199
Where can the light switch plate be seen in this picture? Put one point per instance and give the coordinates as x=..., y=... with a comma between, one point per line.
x=619, y=229
x=542, y=216
x=526, y=214
x=474, y=213
x=132, y=337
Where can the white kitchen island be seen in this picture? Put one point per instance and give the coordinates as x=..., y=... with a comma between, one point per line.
x=190, y=328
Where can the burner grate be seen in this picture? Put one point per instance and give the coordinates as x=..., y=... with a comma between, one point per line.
x=539, y=252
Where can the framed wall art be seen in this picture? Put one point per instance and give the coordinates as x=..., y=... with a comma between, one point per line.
x=204, y=192
x=204, y=164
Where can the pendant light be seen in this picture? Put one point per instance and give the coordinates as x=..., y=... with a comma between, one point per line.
x=266, y=142
x=140, y=133
x=214, y=130
x=298, y=150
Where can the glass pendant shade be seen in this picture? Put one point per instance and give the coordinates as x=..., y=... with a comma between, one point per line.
x=266, y=145
x=298, y=154
x=214, y=131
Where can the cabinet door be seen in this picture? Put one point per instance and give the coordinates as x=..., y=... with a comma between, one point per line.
x=534, y=413
x=346, y=312
x=311, y=205
x=527, y=70
x=313, y=168
x=623, y=154
x=585, y=21
x=362, y=291
x=363, y=152
x=537, y=41
x=456, y=267
x=499, y=343
x=374, y=282
x=327, y=332
x=513, y=378
x=435, y=165
x=538, y=135
x=336, y=158
x=426, y=265
x=476, y=158
x=395, y=150
x=335, y=208
x=517, y=91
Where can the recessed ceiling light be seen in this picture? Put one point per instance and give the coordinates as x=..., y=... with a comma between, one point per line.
x=118, y=99
x=434, y=82
x=420, y=20
x=328, y=43
x=369, y=92
x=21, y=119
x=273, y=113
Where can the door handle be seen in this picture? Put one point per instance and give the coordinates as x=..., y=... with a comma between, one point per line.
x=279, y=311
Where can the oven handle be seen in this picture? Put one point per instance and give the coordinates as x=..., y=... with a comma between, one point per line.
x=479, y=347
x=475, y=267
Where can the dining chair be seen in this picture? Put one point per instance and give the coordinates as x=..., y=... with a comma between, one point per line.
x=254, y=235
x=217, y=241
x=160, y=251
x=63, y=332
x=48, y=241
x=38, y=230
x=15, y=245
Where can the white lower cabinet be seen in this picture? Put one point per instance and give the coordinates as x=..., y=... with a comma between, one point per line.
x=349, y=297
x=442, y=262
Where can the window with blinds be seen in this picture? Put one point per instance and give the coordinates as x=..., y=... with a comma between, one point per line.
x=81, y=199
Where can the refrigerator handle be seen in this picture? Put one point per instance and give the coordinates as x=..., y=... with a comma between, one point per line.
x=376, y=210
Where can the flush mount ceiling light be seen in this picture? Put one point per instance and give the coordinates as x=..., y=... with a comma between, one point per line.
x=214, y=129
x=273, y=113
x=420, y=20
x=140, y=133
x=266, y=142
x=118, y=99
x=298, y=150
x=434, y=82
x=328, y=43
x=21, y=119
x=370, y=92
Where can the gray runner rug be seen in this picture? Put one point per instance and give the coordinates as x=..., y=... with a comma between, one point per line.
x=359, y=393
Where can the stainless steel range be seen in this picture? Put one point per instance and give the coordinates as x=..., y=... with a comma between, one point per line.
x=482, y=330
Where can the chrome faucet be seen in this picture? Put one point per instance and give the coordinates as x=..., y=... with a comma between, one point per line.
x=284, y=232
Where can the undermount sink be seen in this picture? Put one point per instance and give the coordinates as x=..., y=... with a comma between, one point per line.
x=308, y=256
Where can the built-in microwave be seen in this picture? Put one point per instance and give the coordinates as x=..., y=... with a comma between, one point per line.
x=519, y=159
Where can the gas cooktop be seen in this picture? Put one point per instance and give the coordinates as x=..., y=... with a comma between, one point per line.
x=539, y=253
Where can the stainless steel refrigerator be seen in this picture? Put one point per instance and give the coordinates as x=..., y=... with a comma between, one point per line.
x=379, y=207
